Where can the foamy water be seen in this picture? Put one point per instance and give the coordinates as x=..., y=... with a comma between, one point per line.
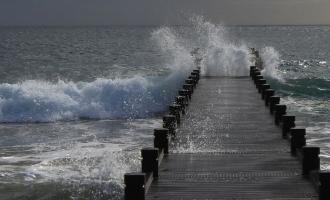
x=107, y=96
x=135, y=97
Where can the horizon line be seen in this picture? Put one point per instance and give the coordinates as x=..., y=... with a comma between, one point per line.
x=148, y=25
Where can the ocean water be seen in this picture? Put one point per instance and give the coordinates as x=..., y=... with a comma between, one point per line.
x=78, y=103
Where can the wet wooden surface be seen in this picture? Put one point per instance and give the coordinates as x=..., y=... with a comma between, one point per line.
x=228, y=147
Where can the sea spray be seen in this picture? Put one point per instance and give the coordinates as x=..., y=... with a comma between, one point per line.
x=41, y=101
x=77, y=157
x=271, y=63
x=220, y=55
x=173, y=47
x=135, y=97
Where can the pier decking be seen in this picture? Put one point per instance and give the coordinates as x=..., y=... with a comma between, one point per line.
x=229, y=144
x=236, y=151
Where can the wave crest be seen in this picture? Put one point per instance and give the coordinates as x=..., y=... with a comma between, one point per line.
x=41, y=101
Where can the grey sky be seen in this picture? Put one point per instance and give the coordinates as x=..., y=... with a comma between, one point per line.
x=149, y=12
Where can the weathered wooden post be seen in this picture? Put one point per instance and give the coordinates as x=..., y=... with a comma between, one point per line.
x=253, y=73
x=150, y=161
x=280, y=110
x=258, y=77
x=185, y=93
x=195, y=78
x=195, y=74
x=260, y=83
x=288, y=122
x=311, y=159
x=252, y=68
x=175, y=110
x=264, y=87
x=169, y=122
x=161, y=139
x=189, y=87
x=134, y=186
x=268, y=93
x=256, y=73
x=191, y=81
x=197, y=71
x=273, y=100
x=298, y=139
x=181, y=100
x=324, y=188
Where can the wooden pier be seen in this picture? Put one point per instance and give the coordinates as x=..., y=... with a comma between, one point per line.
x=248, y=158
x=243, y=147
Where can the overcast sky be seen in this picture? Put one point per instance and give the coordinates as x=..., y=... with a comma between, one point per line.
x=154, y=12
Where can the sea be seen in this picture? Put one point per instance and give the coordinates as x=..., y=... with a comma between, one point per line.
x=78, y=103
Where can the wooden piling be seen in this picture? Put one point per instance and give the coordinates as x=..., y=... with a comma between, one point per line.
x=161, y=140
x=260, y=83
x=288, y=122
x=273, y=101
x=182, y=101
x=268, y=93
x=311, y=159
x=134, y=186
x=298, y=140
x=257, y=78
x=175, y=110
x=324, y=187
x=191, y=82
x=252, y=69
x=186, y=93
x=169, y=122
x=264, y=87
x=280, y=110
x=189, y=87
x=149, y=161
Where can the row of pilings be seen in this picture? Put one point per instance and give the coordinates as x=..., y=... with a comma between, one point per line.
x=138, y=183
x=308, y=155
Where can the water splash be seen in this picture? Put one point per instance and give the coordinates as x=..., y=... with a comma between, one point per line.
x=172, y=46
x=221, y=56
x=85, y=157
x=271, y=61
x=42, y=101
x=135, y=97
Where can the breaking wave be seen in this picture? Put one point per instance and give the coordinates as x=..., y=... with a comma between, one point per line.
x=134, y=97
x=41, y=101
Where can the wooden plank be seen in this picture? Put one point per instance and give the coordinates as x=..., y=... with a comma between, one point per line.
x=228, y=147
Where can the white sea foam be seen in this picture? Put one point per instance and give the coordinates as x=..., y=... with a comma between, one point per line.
x=271, y=59
x=85, y=162
x=135, y=97
x=42, y=101
x=172, y=45
x=221, y=56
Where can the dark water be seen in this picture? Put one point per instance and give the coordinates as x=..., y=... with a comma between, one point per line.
x=82, y=101
x=76, y=54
